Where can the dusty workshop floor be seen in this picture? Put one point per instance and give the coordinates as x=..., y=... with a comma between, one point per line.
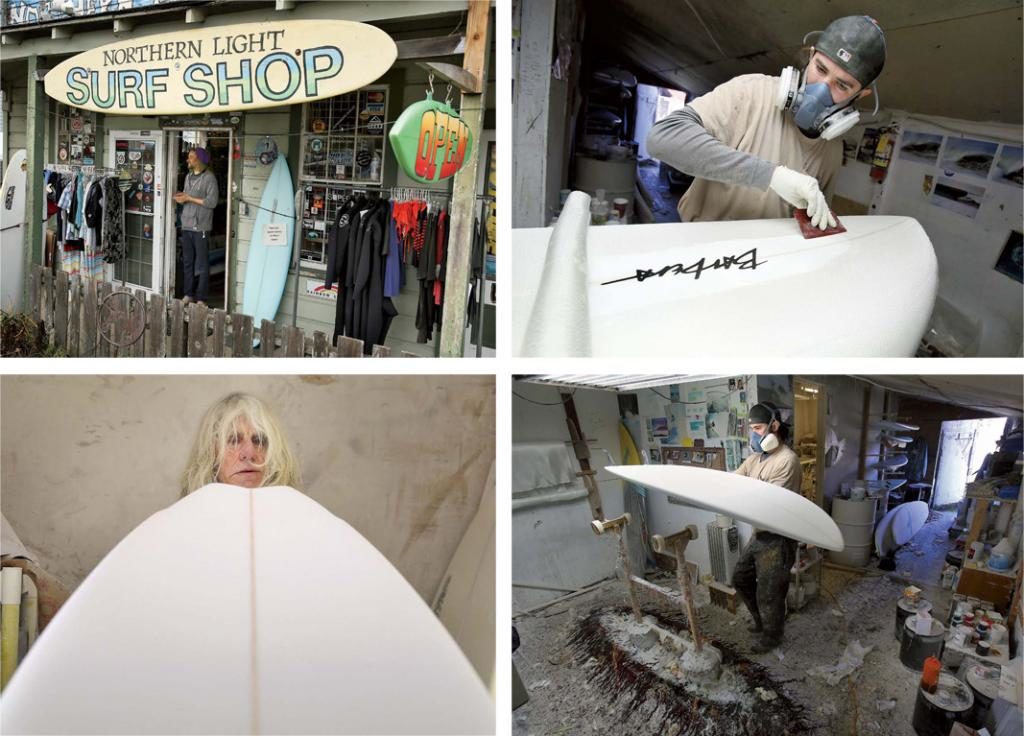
x=575, y=689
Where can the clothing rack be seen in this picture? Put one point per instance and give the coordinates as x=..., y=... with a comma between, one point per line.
x=87, y=169
x=93, y=170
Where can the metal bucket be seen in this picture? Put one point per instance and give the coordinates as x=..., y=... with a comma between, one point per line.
x=905, y=608
x=984, y=688
x=916, y=648
x=856, y=521
x=935, y=713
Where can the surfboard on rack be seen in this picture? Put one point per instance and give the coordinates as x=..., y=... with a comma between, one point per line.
x=12, y=234
x=889, y=425
x=270, y=248
x=889, y=463
x=238, y=611
x=764, y=505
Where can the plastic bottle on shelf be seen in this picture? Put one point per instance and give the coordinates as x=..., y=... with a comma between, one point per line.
x=599, y=208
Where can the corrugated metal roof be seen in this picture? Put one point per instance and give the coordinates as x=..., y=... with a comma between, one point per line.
x=614, y=382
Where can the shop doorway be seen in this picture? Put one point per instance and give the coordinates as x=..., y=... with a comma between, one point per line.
x=963, y=446
x=219, y=142
x=808, y=436
x=137, y=156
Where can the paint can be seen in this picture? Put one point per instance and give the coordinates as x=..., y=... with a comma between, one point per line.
x=915, y=648
x=906, y=608
x=935, y=713
x=984, y=684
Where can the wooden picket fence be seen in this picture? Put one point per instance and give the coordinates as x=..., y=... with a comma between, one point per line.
x=87, y=318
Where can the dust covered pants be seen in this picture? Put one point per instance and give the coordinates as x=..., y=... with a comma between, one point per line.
x=762, y=579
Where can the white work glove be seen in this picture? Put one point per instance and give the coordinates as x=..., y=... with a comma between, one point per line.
x=803, y=192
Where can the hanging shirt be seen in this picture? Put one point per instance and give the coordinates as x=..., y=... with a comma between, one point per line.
x=393, y=265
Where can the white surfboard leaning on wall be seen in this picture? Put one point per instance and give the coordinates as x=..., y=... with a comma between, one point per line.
x=12, y=234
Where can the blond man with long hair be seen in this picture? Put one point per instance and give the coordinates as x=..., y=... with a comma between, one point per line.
x=240, y=442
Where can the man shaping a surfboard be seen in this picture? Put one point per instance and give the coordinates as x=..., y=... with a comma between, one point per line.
x=240, y=442
x=761, y=576
x=758, y=144
x=200, y=197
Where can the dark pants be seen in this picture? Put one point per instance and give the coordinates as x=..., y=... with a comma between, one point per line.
x=762, y=579
x=195, y=256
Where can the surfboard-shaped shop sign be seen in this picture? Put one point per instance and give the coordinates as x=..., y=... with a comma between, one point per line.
x=249, y=65
x=430, y=141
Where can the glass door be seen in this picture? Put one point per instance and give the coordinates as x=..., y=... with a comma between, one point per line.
x=140, y=155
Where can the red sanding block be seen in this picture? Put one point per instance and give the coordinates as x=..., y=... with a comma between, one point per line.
x=810, y=231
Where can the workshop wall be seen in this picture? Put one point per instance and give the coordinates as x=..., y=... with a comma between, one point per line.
x=553, y=544
x=685, y=414
x=978, y=306
x=844, y=409
x=403, y=459
x=15, y=86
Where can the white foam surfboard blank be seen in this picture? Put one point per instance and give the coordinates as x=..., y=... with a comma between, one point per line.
x=901, y=438
x=237, y=611
x=559, y=316
x=768, y=507
x=889, y=463
x=899, y=526
x=12, y=233
x=654, y=318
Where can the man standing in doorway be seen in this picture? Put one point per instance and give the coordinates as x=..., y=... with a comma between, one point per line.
x=199, y=199
x=761, y=576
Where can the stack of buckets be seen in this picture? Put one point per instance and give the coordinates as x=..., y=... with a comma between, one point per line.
x=855, y=517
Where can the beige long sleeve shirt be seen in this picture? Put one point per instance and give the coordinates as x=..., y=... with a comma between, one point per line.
x=742, y=115
x=781, y=467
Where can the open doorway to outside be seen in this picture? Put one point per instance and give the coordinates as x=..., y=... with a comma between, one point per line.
x=963, y=446
x=219, y=144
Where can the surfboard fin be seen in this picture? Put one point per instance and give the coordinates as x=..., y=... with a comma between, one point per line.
x=809, y=231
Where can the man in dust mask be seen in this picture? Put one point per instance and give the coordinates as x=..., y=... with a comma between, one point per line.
x=759, y=146
x=761, y=576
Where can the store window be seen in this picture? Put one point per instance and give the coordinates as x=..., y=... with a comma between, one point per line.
x=343, y=148
x=76, y=136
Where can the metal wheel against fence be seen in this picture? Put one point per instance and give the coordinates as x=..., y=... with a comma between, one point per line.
x=87, y=318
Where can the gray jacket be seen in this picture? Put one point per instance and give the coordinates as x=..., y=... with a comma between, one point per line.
x=199, y=217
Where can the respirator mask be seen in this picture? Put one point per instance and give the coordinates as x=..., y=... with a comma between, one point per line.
x=814, y=111
x=763, y=444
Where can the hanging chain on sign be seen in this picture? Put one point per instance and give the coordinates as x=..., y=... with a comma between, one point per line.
x=429, y=139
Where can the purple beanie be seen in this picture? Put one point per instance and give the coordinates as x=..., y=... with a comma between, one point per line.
x=203, y=155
